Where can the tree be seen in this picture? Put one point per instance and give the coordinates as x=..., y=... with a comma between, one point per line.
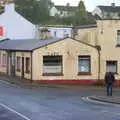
x=1, y=9
x=35, y=11
x=81, y=14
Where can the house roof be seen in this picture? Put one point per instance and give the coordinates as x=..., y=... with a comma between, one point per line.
x=30, y=45
x=85, y=26
x=24, y=45
x=110, y=8
x=65, y=8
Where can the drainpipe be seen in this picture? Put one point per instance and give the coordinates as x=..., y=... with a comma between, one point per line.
x=31, y=66
x=98, y=47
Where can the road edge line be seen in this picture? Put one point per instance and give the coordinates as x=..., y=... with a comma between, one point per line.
x=14, y=111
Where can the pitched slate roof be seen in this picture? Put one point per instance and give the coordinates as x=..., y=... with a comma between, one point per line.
x=65, y=8
x=30, y=45
x=24, y=45
x=110, y=8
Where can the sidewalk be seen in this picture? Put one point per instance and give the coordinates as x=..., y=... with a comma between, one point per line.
x=30, y=84
x=106, y=99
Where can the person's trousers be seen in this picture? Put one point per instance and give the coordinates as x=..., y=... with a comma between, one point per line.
x=109, y=90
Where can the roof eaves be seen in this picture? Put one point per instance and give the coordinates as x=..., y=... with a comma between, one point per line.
x=16, y=50
x=86, y=26
x=85, y=43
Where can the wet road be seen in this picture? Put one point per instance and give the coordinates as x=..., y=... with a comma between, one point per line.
x=52, y=104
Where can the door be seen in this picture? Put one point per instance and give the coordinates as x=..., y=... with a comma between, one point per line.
x=22, y=67
x=13, y=63
x=9, y=63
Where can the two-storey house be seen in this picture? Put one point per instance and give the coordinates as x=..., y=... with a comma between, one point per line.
x=107, y=12
x=62, y=11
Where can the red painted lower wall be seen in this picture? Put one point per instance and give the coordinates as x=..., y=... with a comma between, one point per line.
x=77, y=82
x=70, y=82
x=67, y=82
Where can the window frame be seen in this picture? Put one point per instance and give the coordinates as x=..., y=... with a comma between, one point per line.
x=57, y=73
x=118, y=37
x=27, y=65
x=116, y=63
x=18, y=63
x=89, y=58
x=4, y=60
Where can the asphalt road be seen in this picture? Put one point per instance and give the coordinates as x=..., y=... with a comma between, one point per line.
x=53, y=104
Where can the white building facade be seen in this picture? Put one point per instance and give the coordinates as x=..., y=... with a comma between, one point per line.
x=14, y=26
x=58, y=31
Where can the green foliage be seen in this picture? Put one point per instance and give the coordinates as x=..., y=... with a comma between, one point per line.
x=81, y=14
x=38, y=13
x=1, y=9
x=35, y=11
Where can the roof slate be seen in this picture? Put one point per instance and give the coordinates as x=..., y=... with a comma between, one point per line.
x=110, y=8
x=24, y=45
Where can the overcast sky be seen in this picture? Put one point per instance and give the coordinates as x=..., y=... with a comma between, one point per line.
x=90, y=4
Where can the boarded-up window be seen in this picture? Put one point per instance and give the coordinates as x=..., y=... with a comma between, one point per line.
x=52, y=64
x=18, y=63
x=84, y=65
x=27, y=65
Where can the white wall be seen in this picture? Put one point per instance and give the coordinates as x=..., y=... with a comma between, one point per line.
x=60, y=31
x=15, y=26
x=98, y=12
x=53, y=11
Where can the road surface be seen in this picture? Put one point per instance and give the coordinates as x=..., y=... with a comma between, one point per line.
x=53, y=104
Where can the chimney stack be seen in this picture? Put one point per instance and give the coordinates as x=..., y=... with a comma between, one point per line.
x=9, y=6
x=113, y=4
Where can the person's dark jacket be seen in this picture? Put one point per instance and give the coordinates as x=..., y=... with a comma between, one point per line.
x=109, y=78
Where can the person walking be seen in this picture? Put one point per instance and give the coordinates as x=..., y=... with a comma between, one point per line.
x=109, y=80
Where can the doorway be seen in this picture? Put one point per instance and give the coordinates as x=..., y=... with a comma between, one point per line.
x=22, y=67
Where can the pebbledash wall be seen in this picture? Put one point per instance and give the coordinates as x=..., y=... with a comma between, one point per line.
x=109, y=40
x=69, y=49
x=105, y=35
